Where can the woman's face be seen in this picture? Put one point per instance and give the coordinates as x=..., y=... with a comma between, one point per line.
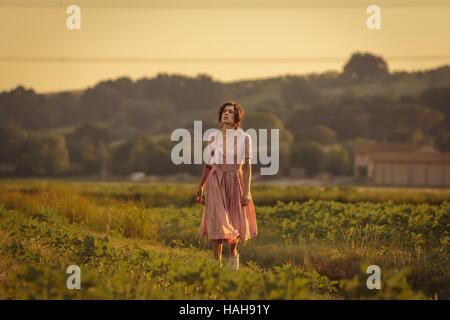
x=228, y=115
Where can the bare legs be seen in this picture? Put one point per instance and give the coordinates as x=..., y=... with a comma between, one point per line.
x=217, y=249
x=233, y=248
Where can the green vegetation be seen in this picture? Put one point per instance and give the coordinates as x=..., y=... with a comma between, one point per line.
x=122, y=126
x=131, y=243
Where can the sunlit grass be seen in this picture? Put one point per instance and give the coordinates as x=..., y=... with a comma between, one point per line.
x=141, y=241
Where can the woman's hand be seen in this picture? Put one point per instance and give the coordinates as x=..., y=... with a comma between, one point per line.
x=199, y=198
x=245, y=199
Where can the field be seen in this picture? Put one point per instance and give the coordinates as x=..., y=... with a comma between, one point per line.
x=140, y=241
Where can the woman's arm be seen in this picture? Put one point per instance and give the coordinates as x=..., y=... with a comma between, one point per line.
x=206, y=169
x=247, y=169
x=205, y=172
x=247, y=173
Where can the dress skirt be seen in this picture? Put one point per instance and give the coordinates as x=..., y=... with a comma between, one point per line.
x=224, y=218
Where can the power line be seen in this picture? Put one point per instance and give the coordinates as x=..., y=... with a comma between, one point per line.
x=181, y=60
x=222, y=4
x=165, y=60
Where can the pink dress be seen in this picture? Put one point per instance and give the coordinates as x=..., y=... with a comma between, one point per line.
x=224, y=218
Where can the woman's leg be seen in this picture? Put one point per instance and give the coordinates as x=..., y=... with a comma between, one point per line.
x=234, y=256
x=217, y=249
x=233, y=248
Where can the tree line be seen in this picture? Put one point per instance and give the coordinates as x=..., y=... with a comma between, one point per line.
x=122, y=126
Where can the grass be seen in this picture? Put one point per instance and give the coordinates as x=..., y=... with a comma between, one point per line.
x=147, y=246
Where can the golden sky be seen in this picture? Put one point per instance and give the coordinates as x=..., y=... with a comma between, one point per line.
x=228, y=40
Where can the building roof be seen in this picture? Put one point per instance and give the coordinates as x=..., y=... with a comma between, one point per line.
x=404, y=153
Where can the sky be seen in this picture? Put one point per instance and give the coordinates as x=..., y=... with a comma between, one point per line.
x=229, y=40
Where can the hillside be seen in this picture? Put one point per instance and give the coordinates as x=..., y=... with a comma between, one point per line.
x=100, y=127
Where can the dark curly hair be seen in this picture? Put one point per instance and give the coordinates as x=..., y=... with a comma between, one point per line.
x=238, y=113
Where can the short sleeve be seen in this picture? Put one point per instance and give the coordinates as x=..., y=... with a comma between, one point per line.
x=248, y=147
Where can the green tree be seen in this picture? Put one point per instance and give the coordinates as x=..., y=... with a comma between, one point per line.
x=317, y=133
x=100, y=103
x=337, y=160
x=151, y=116
x=299, y=91
x=261, y=119
x=365, y=65
x=88, y=148
x=308, y=156
x=45, y=155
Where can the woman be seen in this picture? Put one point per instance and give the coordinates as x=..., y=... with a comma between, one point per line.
x=229, y=213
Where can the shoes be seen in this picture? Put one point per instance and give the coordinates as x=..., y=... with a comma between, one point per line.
x=234, y=262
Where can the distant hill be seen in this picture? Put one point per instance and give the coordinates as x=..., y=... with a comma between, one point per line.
x=366, y=101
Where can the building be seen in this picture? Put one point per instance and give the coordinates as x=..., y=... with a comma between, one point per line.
x=403, y=165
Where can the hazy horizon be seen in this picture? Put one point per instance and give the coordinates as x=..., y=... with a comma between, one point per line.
x=133, y=40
